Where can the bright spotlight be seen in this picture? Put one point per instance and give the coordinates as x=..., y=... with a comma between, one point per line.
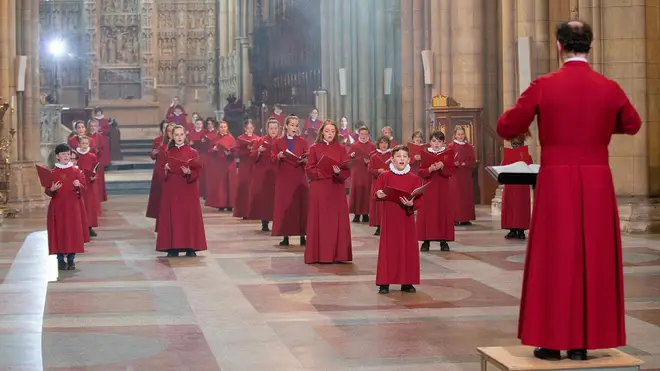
x=57, y=47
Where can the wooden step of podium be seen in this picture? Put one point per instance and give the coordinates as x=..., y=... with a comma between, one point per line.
x=521, y=358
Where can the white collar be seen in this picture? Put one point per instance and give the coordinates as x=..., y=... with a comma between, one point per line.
x=381, y=151
x=290, y=137
x=576, y=59
x=99, y=117
x=326, y=142
x=178, y=114
x=60, y=166
x=81, y=151
x=396, y=171
x=248, y=135
x=366, y=141
x=179, y=145
x=198, y=131
x=434, y=151
x=461, y=143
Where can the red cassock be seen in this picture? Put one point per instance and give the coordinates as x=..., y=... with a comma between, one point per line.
x=82, y=207
x=361, y=180
x=281, y=118
x=180, y=223
x=435, y=218
x=572, y=295
x=73, y=142
x=374, y=166
x=462, y=183
x=415, y=151
x=328, y=225
x=221, y=174
x=155, y=190
x=262, y=187
x=398, y=251
x=199, y=140
x=245, y=165
x=181, y=120
x=90, y=193
x=170, y=111
x=516, y=204
x=64, y=222
x=310, y=135
x=102, y=151
x=291, y=189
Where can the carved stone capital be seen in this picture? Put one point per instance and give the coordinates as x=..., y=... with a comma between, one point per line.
x=639, y=214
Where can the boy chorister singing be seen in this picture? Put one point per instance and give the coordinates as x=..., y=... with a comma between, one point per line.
x=245, y=166
x=516, y=201
x=398, y=258
x=291, y=186
x=64, y=221
x=361, y=181
x=415, y=146
x=181, y=227
x=221, y=170
x=378, y=164
x=328, y=228
x=87, y=237
x=264, y=172
x=435, y=218
x=87, y=161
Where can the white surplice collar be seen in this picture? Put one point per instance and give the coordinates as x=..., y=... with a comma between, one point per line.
x=60, y=166
x=396, y=171
x=434, y=151
x=383, y=152
x=576, y=59
x=461, y=143
x=179, y=145
x=79, y=150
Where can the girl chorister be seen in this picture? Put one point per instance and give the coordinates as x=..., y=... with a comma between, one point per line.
x=102, y=151
x=346, y=135
x=328, y=228
x=398, y=257
x=388, y=132
x=461, y=183
x=435, y=218
x=197, y=136
x=221, y=170
x=158, y=150
x=80, y=130
x=361, y=180
x=64, y=221
x=415, y=147
x=245, y=164
x=87, y=162
x=264, y=171
x=516, y=202
x=378, y=163
x=181, y=227
x=311, y=127
x=291, y=187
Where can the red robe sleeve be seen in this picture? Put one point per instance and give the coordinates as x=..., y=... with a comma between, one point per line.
x=312, y=171
x=194, y=173
x=517, y=119
x=372, y=168
x=344, y=173
x=274, y=151
x=627, y=118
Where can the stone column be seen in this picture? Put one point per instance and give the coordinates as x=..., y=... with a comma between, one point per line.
x=92, y=39
x=224, y=20
x=407, y=68
x=446, y=86
x=322, y=103
x=147, y=60
x=182, y=49
x=231, y=24
x=467, y=52
x=365, y=71
x=246, y=76
x=419, y=94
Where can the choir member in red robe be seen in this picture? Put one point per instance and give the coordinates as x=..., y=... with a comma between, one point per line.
x=328, y=227
x=279, y=115
x=378, y=164
x=210, y=131
x=63, y=222
x=572, y=295
x=87, y=236
x=102, y=151
x=262, y=187
x=435, y=218
x=462, y=183
x=221, y=173
x=361, y=180
x=516, y=203
x=311, y=127
x=245, y=164
x=291, y=187
x=398, y=257
x=346, y=135
x=86, y=162
x=104, y=123
x=415, y=146
x=158, y=150
x=181, y=226
x=173, y=105
x=387, y=131
x=197, y=137
x=178, y=117
x=80, y=130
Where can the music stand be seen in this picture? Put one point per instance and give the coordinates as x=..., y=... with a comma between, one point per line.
x=513, y=178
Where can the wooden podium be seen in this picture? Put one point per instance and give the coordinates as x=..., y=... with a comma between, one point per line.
x=521, y=358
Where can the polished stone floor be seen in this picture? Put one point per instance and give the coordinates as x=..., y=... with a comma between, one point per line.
x=247, y=305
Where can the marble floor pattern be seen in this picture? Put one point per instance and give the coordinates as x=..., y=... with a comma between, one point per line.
x=245, y=304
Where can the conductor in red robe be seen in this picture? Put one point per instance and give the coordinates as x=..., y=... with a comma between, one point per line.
x=328, y=226
x=221, y=170
x=264, y=172
x=572, y=295
x=180, y=227
x=361, y=180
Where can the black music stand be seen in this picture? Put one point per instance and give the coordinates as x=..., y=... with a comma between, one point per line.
x=513, y=178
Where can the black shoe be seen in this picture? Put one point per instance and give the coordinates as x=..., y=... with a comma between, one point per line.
x=384, y=289
x=577, y=354
x=408, y=288
x=285, y=241
x=303, y=241
x=365, y=218
x=426, y=246
x=511, y=235
x=264, y=226
x=191, y=253
x=244, y=218
x=444, y=246
x=172, y=254
x=377, y=233
x=229, y=209
x=356, y=219
x=547, y=354
x=92, y=233
x=61, y=265
x=71, y=266
x=521, y=234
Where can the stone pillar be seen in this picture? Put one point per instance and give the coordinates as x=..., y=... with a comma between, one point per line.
x=224, y=20
x=446, y=85
x=364, y=77
x=322, y=103
x=182, y=49
x=92, y=40
x=419, y=94
x=245, y=75
x=407, y=69
x=147, y=60
x=467, y=52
